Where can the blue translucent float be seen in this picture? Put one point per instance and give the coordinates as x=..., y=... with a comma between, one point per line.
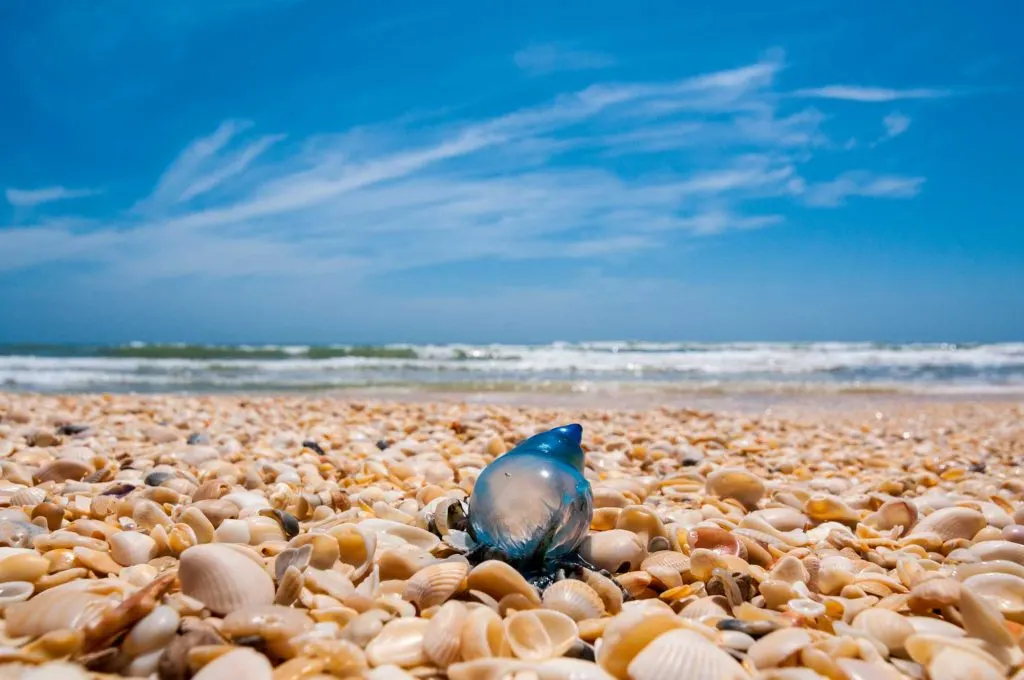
x=533, y=505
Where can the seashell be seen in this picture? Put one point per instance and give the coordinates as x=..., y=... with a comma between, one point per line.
x=13, y=592
x=790, y=570
x=925, y=648
x=1006, y=591
x=982, y=619
x=97, y=561
x=200, y=524
x=858, y=669
x=404, y=533
x=216, y=510
x=289, y=587
x=575, y=599
x=223, y=579
x=931, y=626
x=932, y=594
x=642, y=521
x=233, y=531
x=614, y=551
x=482, y=635
x=1014, y=533
x=128, y=548
x=62, y=470
x=684, y=654
x=332, y=583
x=442, y=641
x=23, y=567
x=498, y=580
x=239, y=663
x=540, y=634
x=781, y=519
x=153, y=632
x=356, y=547
x=827, y=508
x=275, y=625
x=957, y=664
x=487, y=669
x=705, y=608
x=434, y=584
x=399, y=643
x=952, y=523
x=291, y=557
x=628, y=633
x=28, y=496
x=715, y=539
x=774, y=648
x=570, y=669
x=736, y=483
x=61, y=607
x=998, y=550
x=894, y=513
x=886, y=626
x=606, y=589
x=148, y=514
x=324, y=551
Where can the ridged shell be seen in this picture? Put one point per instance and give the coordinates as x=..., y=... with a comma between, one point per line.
x=951, y=523
x=886, y=626
x=28, y=496
x=575, y=599
x=400, y=643
x=65, y=606
x=736, y=483
x=684, y=654
x=614, y=551
x=239, y=663
x=628, y=633
x=540, y=634
x=436, y=583
x=499, y=579
x=702, y=608
x=442, y=641
x=223, y=579
x=775, y=647
x=483, y=635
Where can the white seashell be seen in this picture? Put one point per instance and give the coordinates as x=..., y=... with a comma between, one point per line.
x=684, y=654
x=539, y=634
x=1006, y=591
x=482, y=635
x=629, y=632
x=951, y=523
x=775, y=647
x=153, y=632
x=64, y=606
x=575, y=599
x=442, y=641
x=886, y=626
x=28, y=496
x=399, y=643
x=956, y=664
x=232, y=531
x=486, y=669
x=500, y=580
x=998, y=550
x=223, y=579
x=404, y=532
x=239, y=663
x=614, y=551
x=736, y=483
x=55, y=671
x=570, y=669
x=129, y=548
x=13, y=592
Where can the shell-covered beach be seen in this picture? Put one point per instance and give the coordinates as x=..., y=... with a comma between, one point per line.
x=292, y=537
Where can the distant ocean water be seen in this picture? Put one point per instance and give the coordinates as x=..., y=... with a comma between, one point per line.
x=711, y=367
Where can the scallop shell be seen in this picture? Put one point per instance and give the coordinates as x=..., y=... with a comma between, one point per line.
x=482, y=635
x=238, y=663
x=606, y=589
x=61, y=607
x=684, y=654
x=436, y=583
x=223, y=579
x=575, y=599
x=736, y=483
x=775, y=647
x=570, y=669
x=1006, y=591
x=399, y=643
x=614, y=551
x=442, y=641
x=886, y=626
x=28, y=496
x=952, y=523
x=704, y=608
x=498, y=580
x=540, y=634
x=628, y=633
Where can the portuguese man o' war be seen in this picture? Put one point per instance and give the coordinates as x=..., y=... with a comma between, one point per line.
x=532, y=506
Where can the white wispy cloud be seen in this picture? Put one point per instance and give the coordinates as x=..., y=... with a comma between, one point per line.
x=28, y=198
x=859, y=93
x=725, y=150
x=895, y=124
x=552, y=57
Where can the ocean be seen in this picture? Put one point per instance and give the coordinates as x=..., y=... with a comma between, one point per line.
x=833, y=367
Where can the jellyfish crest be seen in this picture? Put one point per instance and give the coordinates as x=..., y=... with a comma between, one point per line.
x=561, y=443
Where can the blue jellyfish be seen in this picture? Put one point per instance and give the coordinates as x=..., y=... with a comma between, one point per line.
x=532, y=506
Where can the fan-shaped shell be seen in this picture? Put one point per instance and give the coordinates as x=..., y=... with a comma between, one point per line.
x=223, y=579
x=482, y=635
x=62, y=607
x=628, y=633
x=575, y=599
x=436, y=583
x=775, y=647
x=951, y=523
x=400, y=643
x=1006, y=591
x=499, y=579
x=736, y=483
x=684, y=654
x=540, y=634
x=442, y=640
x=28, y=496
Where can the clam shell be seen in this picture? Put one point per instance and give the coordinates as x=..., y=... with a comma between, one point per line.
x=894, y=513
x=570, y=669
x=223, y=579
x=23, y=567
x=610, y=594
x=487, y=669
x=925, y=648
x=628, y=633
x=442, y=641
x=957, y=664
x=684, y=654
x=482, y=635
x=998, y=550
x=153, y=632
x=356, y=547
x=775, y=647
x=575, y=599
x=781, y=519
x=128, y=548
x=540, y=634
x=498, y=580
x=642, y=521
x=736, y=483
x=276, y=625
x=65, y=606
x=238, y=663
x=1006, y=591
x=952, y=523
x=614, y=551
x=886, y=626
x=13, y=592
x=827, y=508
x=434, y=584
x=399, y=643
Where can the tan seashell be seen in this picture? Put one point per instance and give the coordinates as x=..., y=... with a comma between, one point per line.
x=956, y=664
x=791, y=570
x=291, y=557
x=97, y=561
x=540, y=634
x=570, y=669
x=405, y=533
x=329, y=582
x=23, y=567
x=925, y=648
x=858, y=669
x=705, y=608
x=239, y=663
x=148, y=514
x=325, y=551
x=13, y=592
x=575, y=599
x=483, y=635
x=433, y=585
x=128, y=548
x=774, y=648
x=609, y=498
x=487, y=669
x=642, y=521
x=982, y=619
x=715, y=539
x=684, y=654
x=736, y=483
x=28, y=496
x=223, y=579
x=932, y=594
x=888, y=627
x=894, y=513
x=988, y=551
x=277, y=626
x=928, y=625
x=614, y=551
x=781, y=519
x=1006, y=591
x=628, y=633
x=289, y=587
x=153, y=632
x=951, y=523
x=61, y=607
x=827, y=508
x=610, y=594
x=442, y=641
x=400, y=643
x=202, y=527
x=498, y=579
x=356, y=547
x=637, y=583
x=62, y=470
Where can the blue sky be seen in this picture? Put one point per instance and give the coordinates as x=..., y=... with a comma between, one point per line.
x=319, y=171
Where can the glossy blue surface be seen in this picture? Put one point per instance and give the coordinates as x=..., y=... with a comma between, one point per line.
x=533, y=503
